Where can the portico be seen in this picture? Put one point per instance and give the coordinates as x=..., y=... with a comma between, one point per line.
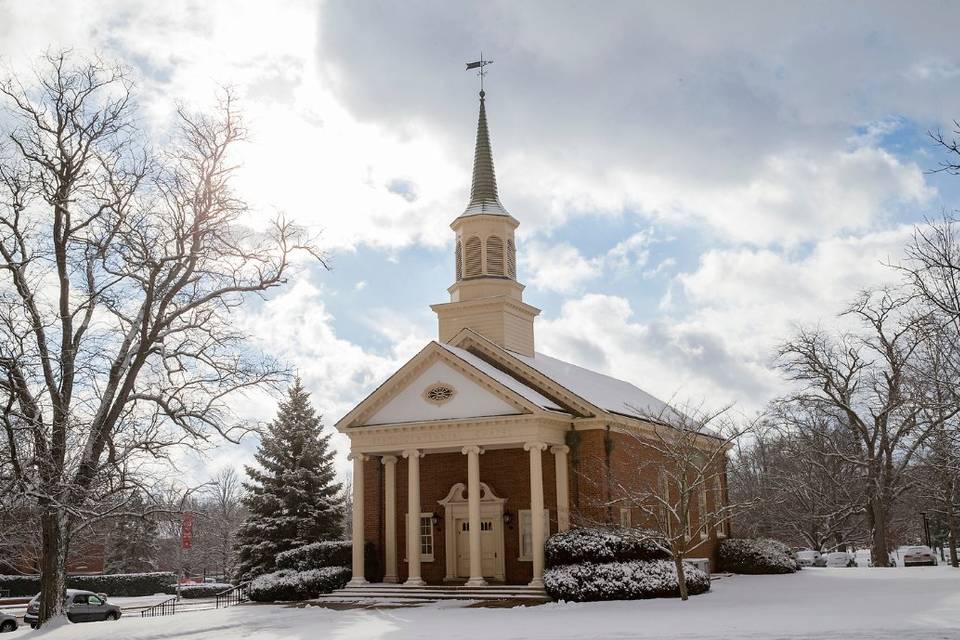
x=470, y=524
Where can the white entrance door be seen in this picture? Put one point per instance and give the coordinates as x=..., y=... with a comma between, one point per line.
x=463, y=548
x=488, y=548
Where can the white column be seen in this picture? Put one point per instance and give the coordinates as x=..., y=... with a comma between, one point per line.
x=390, y=518
x=538, y=534
x=473, y=507
x=413, y=517
x=563, y=494
x=357, y=526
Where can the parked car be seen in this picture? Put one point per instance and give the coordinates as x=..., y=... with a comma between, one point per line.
x=811, y=558
x=7, y=622
x=840, y=559
x=917, y=556
x=81, y=606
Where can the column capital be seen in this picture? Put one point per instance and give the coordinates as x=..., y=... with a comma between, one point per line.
x=357, y=456
x=410, y=453
x=539, y=446
x=471, y=448
x=388, y=459
x=559, y=449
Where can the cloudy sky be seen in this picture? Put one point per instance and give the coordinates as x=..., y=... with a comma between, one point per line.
x=692, y=181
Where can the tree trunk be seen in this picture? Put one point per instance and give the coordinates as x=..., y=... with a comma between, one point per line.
x=879, y=551
x=952, y=537
x=53, y=565
x=681, y=575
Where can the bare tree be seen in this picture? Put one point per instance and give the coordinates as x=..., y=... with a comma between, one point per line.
x=799, y=490
x=682, y=488
x=226, y=513
x=119, y=270
x=864, y=381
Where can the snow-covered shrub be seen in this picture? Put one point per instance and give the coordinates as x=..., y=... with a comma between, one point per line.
x=639, y=579
x=124, y=584
x=204, y=590
x=611, y=544
x=756, y=555
x=334, y=553
x=289, y=585
x=116, y=584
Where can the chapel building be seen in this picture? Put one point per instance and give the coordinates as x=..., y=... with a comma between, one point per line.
x=491, y=445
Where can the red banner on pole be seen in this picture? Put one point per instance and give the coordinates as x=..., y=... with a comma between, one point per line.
x=186, y=531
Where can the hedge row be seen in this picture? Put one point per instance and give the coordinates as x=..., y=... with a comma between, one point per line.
x=756, y=556
x=316, y=556
x=204, y=590
x=613, y=544
x=120, y=584
x=634, y=580
x=290, y=585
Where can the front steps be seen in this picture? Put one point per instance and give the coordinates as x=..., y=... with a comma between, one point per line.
x=401, y=595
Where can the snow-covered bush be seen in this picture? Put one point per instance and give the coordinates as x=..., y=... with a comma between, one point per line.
x=289, y=585
x=589, y=582
x=117, y=584
x=124, y=584
x=611, y=544
x=204, y=590
x=756, y=555
x=334, y=553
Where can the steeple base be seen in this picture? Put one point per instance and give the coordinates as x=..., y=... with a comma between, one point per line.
x=501, y=319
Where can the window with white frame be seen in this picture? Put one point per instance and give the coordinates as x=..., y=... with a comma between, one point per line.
x=665, y=515
x=625, y=519
x=718, y=523
x=426, y=537
x=526, y=532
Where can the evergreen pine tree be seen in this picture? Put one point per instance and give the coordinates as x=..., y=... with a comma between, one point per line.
x=292, y=497
x=132, y=544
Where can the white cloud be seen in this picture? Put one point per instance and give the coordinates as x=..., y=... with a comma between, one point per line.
x=740, y=304
x=558, y=267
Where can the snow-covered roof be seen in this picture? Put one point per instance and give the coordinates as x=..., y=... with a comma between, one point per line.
x=606, y=392
x=503, y=378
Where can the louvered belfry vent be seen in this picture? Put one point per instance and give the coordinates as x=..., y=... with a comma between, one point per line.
x=511, y=259
x=471, y=263
x=459, y=259
x=495, y=256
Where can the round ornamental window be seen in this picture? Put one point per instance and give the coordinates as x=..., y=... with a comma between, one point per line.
x=439, y=393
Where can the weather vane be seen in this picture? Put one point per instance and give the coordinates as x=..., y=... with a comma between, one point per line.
x=479, y=64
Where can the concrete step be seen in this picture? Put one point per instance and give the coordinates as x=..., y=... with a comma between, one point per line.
x=432, y=593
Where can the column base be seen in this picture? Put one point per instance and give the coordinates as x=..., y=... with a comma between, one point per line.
x=357, y=582
x=414, y=582
x=391, y=579
x=476, y=582
x=536, y=582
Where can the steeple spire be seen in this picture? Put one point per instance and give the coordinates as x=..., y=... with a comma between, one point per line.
x=483, y=190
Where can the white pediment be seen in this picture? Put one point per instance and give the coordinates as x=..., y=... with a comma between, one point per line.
x=469, y=399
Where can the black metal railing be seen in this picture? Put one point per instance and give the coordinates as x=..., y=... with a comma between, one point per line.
x=233, y=596
x=165, y=608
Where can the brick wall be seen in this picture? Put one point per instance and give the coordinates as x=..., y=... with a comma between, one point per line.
x=607, y=465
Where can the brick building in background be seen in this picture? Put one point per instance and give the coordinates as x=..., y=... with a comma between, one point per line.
x=491, y=445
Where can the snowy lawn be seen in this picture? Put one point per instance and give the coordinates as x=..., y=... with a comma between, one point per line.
x=821, y=604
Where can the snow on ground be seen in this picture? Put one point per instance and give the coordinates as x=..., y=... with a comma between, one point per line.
x=820, y=604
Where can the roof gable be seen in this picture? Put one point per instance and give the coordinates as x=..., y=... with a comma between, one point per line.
x=477, y=392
